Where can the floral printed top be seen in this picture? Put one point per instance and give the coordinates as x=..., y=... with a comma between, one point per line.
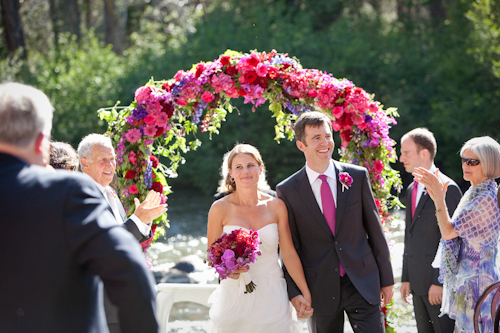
x=468, y=261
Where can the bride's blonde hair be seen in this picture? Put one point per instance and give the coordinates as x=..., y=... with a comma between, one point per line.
x=227, y=184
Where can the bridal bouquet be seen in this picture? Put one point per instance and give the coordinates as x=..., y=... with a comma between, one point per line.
x=233, y=251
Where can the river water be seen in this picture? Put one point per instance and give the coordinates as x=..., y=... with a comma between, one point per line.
x=186, y=237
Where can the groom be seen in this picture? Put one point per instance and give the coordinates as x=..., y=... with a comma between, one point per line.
x=337, y=234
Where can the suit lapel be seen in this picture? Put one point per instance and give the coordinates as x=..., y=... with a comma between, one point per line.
x=341, y=197
x=304, y=188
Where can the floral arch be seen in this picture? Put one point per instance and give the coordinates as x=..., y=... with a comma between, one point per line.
x=164, y=112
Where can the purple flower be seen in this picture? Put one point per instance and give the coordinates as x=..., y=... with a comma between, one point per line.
x=228, y=258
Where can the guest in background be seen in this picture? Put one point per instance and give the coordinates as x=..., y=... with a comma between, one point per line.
x=58, y=244
x=63, y=156
x=469, y=248
x=422, y=236
x=97, y=159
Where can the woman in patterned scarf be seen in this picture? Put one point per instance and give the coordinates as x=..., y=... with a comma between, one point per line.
x=469, y=244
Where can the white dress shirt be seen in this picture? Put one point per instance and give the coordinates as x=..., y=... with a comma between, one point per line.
x=316, y=182
x=421, y=187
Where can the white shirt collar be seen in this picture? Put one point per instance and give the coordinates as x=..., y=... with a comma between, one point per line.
x=313, y=175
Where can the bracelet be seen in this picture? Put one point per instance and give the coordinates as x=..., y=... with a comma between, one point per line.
x=439, y=210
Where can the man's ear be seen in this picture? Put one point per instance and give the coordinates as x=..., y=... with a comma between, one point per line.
x=38, y=146
x=84, y=163
x=300, y=145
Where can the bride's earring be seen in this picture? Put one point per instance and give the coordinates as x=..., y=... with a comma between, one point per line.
x=231, y=179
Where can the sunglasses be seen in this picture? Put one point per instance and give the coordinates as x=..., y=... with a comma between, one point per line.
x=470, y=161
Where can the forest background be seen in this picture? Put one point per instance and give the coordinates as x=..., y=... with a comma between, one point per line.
x=437, y=61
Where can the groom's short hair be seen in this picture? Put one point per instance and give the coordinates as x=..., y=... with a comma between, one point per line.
x=313, y=119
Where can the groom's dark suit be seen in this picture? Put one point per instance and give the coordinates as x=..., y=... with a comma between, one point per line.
x=359, y=242
x=57, y=243
x=421, y=242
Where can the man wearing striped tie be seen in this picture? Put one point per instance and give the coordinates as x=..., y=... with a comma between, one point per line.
x=97, y=159
x=419, y=278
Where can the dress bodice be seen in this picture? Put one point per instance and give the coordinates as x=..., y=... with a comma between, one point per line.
x=269, y=238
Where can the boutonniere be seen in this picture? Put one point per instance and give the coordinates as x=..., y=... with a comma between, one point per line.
x=345, y=180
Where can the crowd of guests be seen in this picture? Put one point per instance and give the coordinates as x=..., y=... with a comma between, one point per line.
x=80, y=267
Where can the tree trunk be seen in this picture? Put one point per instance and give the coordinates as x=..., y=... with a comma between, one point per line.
x=87, y=7
x=14, y=35
x=55, y=21
x=109, y=22
x=71, y=17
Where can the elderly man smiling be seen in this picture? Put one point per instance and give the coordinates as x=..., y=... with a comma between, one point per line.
x=97, y=159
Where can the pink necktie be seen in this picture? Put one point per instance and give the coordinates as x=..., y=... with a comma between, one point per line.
x=414, y=192
x=329, y=210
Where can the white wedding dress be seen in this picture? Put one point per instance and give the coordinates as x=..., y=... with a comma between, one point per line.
x=267, y=308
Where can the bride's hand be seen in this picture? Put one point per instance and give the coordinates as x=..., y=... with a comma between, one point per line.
x=302, y=306
x=236, y=274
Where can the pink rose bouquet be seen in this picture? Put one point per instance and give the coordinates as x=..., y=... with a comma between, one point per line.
x=233, y=251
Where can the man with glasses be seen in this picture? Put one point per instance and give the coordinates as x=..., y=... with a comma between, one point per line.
x=97, y=159
x=418, y=149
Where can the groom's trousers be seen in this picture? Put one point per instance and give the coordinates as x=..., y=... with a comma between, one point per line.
x=364, y=317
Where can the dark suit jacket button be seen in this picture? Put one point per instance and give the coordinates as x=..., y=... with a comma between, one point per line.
x=336, y=269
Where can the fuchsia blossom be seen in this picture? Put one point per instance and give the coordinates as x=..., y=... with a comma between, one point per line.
x=133, y=189
x=132, y=158
x=346, y=180
x=133, y=135
x=207, y=96
x=149, y=130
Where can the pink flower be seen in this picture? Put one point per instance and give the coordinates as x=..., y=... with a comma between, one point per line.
x=207, y=96
x=261, y=70
x=338, y=111
x=150, y=130
x=378, y=166
x=133, y=189
x=149, y=119
x=132, y=158
x=142, y=94
x=182, y=101
x=346, y=180
x=133, y=135
x=162, y=119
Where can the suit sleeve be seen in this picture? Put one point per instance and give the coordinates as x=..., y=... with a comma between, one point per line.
x=292, y=288
x=109, y=251
x=132, y=228
x=376, y=236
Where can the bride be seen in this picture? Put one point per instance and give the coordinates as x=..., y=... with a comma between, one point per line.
x=267, y=308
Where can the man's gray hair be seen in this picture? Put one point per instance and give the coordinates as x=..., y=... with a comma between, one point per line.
x=86, y=146
x=25, y=112
x=488, y=152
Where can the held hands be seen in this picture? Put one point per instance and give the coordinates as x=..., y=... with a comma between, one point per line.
x=405, y=291
x=302, y=306
x=386, y=295
x=435, y=294
x=150, y=208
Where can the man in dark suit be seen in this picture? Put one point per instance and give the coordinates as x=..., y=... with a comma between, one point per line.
x=418, y=149
x=337, y=233
x=97, y=159
x=58, y=243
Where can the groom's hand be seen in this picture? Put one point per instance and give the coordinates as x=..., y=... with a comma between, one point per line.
x=302, y=306
x=386, y=295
